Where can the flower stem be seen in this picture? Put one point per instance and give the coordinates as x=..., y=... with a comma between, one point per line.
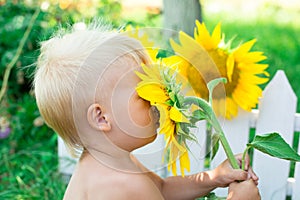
x=244, y=157
x=224, y=142
x=228, y=152
x=212, y=119
x=208, y=149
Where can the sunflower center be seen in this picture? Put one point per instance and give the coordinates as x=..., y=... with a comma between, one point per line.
x=219, y=56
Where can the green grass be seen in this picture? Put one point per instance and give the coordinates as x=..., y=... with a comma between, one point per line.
x=28, y=158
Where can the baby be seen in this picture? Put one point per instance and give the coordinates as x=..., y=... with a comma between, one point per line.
x=85, y=90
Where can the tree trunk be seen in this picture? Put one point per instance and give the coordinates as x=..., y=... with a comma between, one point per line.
x=181, y=15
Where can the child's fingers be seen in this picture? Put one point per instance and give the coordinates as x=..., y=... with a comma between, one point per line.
x=248, y=168
x=240, y=175
x=239, y=157
x=253, y=176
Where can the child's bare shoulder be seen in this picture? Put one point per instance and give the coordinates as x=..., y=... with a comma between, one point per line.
x=125, y=186
x=96, y=181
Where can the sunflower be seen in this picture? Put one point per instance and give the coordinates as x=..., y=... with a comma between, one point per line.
x=159, y=86
x=207, y=56
x=142, y=36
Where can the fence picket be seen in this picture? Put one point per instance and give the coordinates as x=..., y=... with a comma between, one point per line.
x=151, y=156
x=276, y=114
x=66, y=162
x=296, y=191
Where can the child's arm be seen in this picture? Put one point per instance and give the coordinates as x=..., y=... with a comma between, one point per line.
x=193, y=186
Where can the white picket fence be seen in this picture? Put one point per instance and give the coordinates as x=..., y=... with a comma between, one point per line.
x=276, y=113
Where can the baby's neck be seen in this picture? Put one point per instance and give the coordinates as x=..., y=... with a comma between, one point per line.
x=119, y=160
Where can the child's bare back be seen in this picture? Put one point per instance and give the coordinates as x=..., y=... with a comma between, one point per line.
x=94, y=180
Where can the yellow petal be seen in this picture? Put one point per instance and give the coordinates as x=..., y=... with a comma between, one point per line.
x=143, y=38
x=152, y=72
x=246, y=95
x=219, y=106
x=252, y=79
x=251, y=57
x=152, y=53
x=177, y=116
x=153, y=92
x=231, y=108
x=202, y=36
x=168, y=129
x=174, y=169
x=253, y=68
x=230, y=67
x=176, y=63
x=216, y=36
x=143, y=76
x=173, y=154
x=243, y=49
x=177, y=145
x=184, y=162
x=163, y=113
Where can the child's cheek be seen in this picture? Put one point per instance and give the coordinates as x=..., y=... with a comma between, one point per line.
x=139, y=111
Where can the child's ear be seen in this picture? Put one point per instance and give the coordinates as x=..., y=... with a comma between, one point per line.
x=97, y=119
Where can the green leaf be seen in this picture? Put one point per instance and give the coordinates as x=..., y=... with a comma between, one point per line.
x=212, y=196
x=172, y=96
x=162, y=53
x=169, y=102
x=199, y=115
x=184, y=131
x=215, y=145
x=211, y=86
x=274, y=145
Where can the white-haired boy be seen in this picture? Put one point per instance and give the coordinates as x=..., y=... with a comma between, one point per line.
x=85, y=90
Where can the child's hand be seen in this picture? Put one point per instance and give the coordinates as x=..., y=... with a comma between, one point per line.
x=246, y=190
x=224, y=174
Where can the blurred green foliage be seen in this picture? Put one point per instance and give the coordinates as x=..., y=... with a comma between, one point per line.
x=28, y=162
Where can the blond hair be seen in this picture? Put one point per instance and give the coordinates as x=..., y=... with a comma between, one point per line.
x=62, y=64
